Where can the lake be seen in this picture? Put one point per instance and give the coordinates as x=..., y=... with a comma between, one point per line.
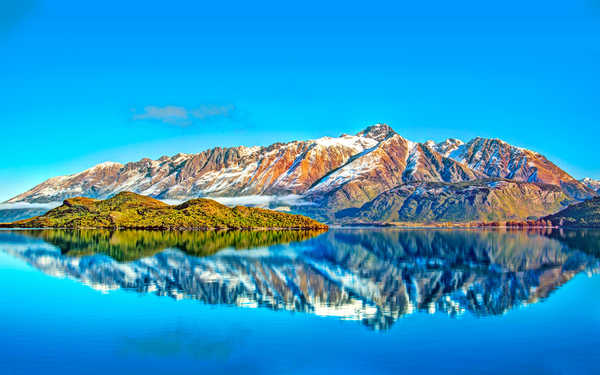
x=352, y=301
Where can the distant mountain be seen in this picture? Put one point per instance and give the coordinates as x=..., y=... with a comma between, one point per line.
x=483, y=200
x=496, y=158
x=130, y=210
x=591, y=183
x=583, y=214
x=324, y=176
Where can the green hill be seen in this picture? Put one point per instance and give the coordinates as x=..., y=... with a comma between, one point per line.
x=584, y=214
x=133, y=211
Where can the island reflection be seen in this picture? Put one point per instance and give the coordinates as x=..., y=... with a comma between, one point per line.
x=374, y=276
x=130, y=245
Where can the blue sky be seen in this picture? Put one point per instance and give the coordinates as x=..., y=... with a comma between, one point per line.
x=82, y=84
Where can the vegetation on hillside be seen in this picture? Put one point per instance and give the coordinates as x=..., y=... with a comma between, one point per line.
x=584, y=214
x=134, y=211
x=486, y=200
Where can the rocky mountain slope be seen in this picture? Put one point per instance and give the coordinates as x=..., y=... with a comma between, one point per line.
x=496, y=158
x=130, y=210
x=376, y=155
x=484, y=200
x=324, y=176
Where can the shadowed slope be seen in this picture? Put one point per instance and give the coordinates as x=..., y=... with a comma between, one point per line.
x=487, y=200
x=584, y=214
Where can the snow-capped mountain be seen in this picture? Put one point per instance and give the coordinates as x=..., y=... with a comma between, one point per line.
x=591, y=183
x=496, y=158
x=376, y=154
x=332, y=172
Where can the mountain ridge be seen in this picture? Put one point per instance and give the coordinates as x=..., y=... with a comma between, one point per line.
x=333, y=173
x=486, y=200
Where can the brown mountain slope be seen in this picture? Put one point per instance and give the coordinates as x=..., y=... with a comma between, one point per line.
x=324, y=175
x=496, y=158
x=484, y=200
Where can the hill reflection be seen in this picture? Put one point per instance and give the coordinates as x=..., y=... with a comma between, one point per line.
x=130, y=245
x=374, y=276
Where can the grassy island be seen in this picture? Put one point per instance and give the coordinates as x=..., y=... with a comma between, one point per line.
x=128, y=210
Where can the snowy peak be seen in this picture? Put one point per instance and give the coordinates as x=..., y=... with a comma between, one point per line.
x=591, y=183
x=378, y=132
x=496, y=158
x=354, y=142
x=394, y=161
x=447, y=147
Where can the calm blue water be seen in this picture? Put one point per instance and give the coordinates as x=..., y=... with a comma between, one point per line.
x=347, y=301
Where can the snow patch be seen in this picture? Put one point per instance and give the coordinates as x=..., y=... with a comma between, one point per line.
x=354, y=142
x=106, y=164
x=263, y=200
x=412, y=157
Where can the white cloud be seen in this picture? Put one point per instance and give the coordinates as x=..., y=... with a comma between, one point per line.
x=207, y=111
x=27, y=205
x=172, y=202
x=169, y=114
x=254, y=200
x=247, y=200
x=263, y=200
x=182, y=116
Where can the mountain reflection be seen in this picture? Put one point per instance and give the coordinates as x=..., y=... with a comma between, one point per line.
x=375, y=276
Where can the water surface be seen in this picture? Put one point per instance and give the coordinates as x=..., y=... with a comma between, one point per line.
x=345, y=301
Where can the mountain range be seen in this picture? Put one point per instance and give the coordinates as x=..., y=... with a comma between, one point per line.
x=343, y=178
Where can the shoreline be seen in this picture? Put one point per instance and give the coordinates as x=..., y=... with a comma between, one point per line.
x=318, y=229
x=492, y=225
x=176, y=229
